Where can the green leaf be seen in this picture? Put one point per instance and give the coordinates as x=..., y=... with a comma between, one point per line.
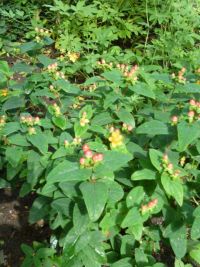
x=68, y=171
x=11, y=127
x=173, y=188
x=60, y=122
x=3, y=183
x=133, y=217
x=156, y=158
x=95, y=195
x=13, y=103
x=144, y=174
x=126, y=117
x=102, y=119
x=195, y=230
x=153, y=128
x=125, y=262
x=45, y=61
x=113, y=160
x=195, y=255
x=135, y=196
x=39, y=141
x=178, y=241
x=113, y=76
x=14, y=155
x=80, y=218
x=18, y=139
x=142, y=89
x=187, y=133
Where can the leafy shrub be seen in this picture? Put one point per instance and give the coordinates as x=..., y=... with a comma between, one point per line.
x=113, y=160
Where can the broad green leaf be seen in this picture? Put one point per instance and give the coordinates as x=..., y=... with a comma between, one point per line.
x=113, y=160
x=11, y=127
x=18, y=139
x=126, y=117
x=113, y=76
x=124, y=262
x=142, y=89
x=102, y=119
x=13, y=103
x=173, y=188
x=68, y=171
x=135, y=196
x=14, y=155
x=4, y=183
x=195, y=230
x=156, y=158
x=195, y=255
x=187, y=133
x=178, y=241
x=60, y=122
x=80, y=218
x=95, y=195
x=153, y=128
x=133, y=217
x=144, y=174
x=45, y=61
x=39, y=141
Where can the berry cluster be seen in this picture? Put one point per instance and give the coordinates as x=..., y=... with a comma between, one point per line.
x=40, y=34
x=90, y=158
x=53, y=68
x=194, y=110
x=31, y=131
x=56, y=110
x=4, y=92
x=73, y=56
x=126, y=127
x=169, y=167
x=130, y=73
x=150, y=206
x=2, y=121
x=84, y=121
x=180, y=78
x=29, y=120
x=116, y=139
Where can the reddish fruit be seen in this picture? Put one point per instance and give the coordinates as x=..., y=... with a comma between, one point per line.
x=191, y=114
x=174, y=119
x=85, y=147
x=100, y=156
x=88, y=154
x=192, y=102
x=82, y=161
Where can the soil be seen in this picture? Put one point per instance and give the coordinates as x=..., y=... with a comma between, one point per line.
x=15, y=229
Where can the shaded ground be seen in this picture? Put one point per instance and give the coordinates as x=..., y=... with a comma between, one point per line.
x=14, y=228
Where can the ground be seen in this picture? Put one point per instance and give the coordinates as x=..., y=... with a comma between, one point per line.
x=15, y=229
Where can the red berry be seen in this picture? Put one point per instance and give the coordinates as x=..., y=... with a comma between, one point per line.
x=192, y=102
x=88, y=154
x=82, y=161
x=100, y=156
x=191, y=114
x=85, y=148
x=174, y=119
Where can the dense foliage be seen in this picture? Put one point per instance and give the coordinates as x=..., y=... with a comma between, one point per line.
x=100, y=119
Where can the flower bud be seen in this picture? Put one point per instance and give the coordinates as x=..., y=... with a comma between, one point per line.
x=174, y=120
x=88, y=154
x=85, y=147
x=82, y=161
x=192, y=102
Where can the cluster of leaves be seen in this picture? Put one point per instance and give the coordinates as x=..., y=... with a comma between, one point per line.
x=144, y=192
x=144, y=31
